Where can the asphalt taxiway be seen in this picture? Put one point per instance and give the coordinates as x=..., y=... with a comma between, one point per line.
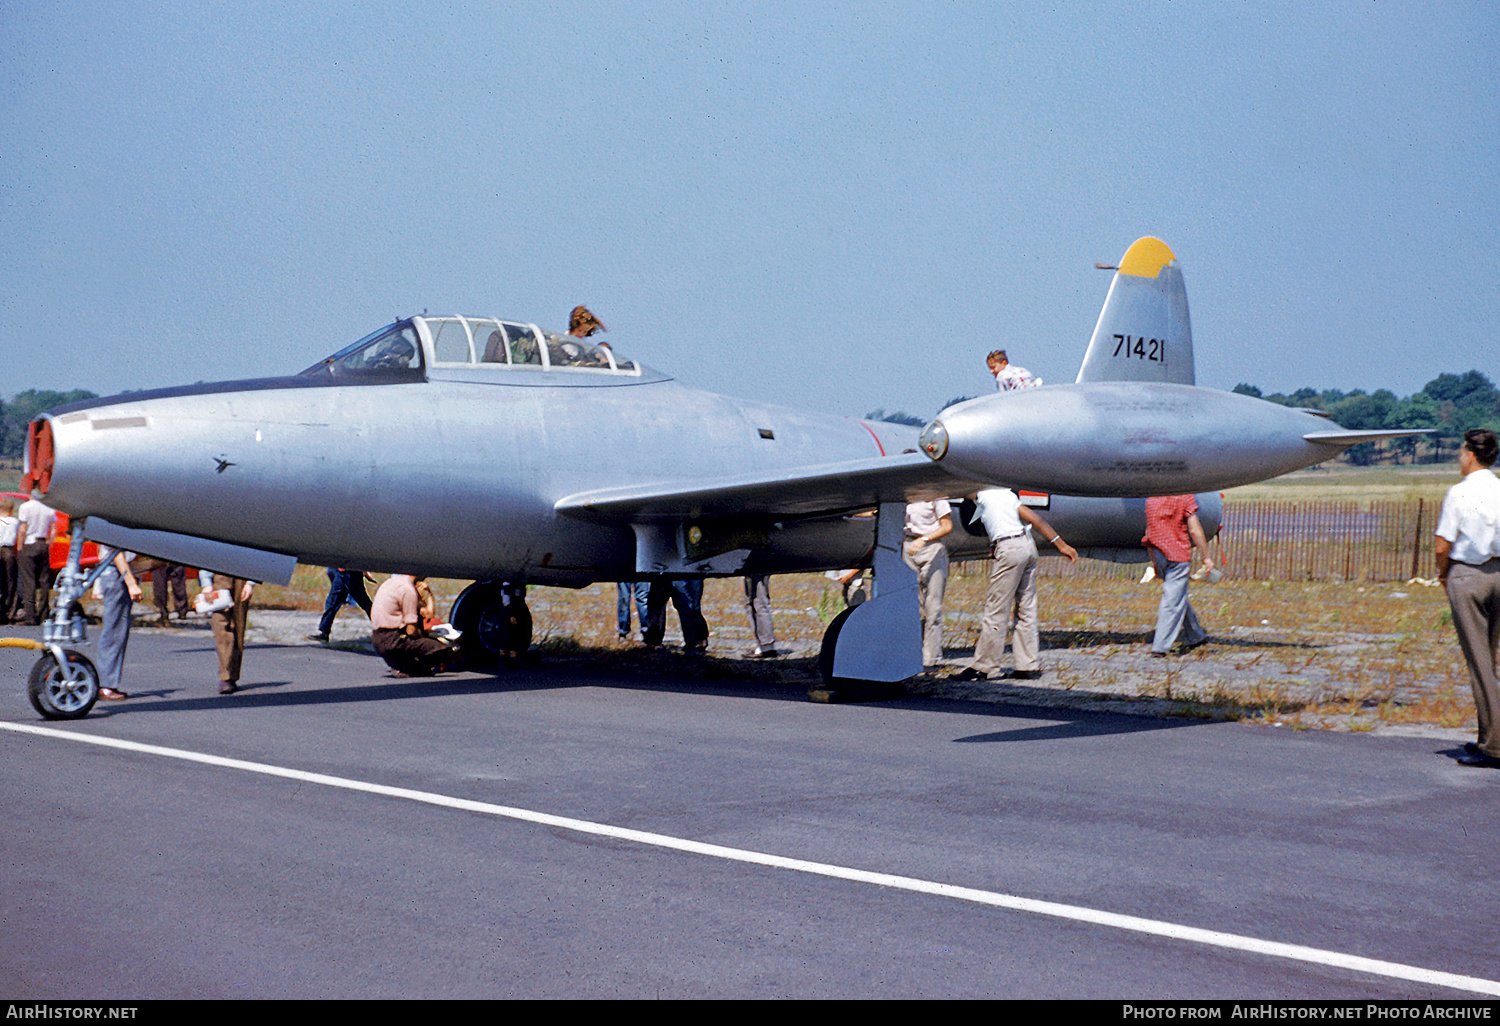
x=559, y=831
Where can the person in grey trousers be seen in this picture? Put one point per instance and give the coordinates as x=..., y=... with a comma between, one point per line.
x=1466, y=545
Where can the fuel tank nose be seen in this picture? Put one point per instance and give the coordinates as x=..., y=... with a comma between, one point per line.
x=934, y=440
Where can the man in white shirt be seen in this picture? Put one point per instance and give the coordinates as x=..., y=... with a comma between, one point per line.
x=1012, y=590
x=8, y=531
x=1466, y=545
x=33, y=559
x=927, y=523
x=1008, y=376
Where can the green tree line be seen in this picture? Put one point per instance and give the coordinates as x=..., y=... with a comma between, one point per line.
x=16, y=413
x=1449, y=405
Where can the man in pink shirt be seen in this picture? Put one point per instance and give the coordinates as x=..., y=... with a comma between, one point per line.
x=397, y=632
x=1172, y=532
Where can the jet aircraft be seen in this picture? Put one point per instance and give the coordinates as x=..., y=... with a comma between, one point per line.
x=486, y=449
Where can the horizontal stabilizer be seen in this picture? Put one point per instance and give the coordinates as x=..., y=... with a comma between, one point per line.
x=1343, y=439
x=200, y=553
x=1143, y=333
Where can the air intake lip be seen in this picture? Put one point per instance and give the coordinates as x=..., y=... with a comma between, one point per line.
x=39, y=456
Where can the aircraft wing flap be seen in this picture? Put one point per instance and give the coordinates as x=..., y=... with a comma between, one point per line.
x=801, y=492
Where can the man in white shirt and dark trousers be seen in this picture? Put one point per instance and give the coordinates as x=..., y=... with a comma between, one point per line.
x=9, y=528
x=1467, y=549
x=33, y=559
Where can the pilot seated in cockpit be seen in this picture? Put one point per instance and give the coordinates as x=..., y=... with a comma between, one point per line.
x=582, y=323
x=395, y=354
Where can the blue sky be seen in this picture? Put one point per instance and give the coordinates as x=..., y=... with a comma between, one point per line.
x=828, y=205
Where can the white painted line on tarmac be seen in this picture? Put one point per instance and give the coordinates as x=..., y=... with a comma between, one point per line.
x=1076, y=913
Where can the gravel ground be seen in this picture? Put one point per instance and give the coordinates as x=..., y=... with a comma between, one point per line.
x=1251, y=673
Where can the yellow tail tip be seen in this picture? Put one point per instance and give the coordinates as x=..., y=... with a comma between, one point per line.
x=1146, y=257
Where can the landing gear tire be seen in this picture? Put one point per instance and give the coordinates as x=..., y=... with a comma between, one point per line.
x=495, y=622
x=63, y=694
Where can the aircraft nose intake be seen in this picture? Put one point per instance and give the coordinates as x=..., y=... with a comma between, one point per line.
x=39, y=456
x=934, y=440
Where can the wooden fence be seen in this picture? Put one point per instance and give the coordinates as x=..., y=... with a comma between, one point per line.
x=1328, y=541
x=1302, y=541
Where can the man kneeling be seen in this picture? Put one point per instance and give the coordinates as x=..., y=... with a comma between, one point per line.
x=397, y=632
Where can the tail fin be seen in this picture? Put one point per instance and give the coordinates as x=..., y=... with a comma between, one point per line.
x=1143, y=332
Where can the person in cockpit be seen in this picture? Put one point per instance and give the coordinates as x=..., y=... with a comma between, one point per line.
x=395, y=354
x=568, y=351
x=582, y=323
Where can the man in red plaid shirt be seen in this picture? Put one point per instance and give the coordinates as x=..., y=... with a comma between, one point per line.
x=1172, y=532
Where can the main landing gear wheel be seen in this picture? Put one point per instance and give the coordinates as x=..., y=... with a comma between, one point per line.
x=63, y=693
x=495, y=622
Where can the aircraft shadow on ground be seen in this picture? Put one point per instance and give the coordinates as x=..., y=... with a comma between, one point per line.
x=785, y=680
x=1060, y=724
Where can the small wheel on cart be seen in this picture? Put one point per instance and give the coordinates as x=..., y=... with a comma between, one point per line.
x=63, y=693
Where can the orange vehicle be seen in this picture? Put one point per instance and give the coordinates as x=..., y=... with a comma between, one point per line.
x=58, y=553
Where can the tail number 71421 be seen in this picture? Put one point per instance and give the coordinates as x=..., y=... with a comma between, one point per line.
x=1130, y=346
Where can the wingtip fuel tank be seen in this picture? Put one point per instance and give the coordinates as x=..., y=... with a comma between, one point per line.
x=1124, y=438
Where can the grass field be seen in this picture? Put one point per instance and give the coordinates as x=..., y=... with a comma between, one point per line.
x=1355, y=484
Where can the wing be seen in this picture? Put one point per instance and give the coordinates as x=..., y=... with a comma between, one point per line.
x=802, y=492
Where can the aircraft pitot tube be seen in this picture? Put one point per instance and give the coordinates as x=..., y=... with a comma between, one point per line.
x=1123, y=438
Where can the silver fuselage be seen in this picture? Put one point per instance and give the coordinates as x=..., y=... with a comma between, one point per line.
x=451, y=478
x=457, y=475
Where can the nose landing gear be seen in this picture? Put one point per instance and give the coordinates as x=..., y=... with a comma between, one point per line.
x=64, y=684
x=63, y=691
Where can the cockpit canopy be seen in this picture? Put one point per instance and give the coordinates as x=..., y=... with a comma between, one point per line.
x=402, y=351
x=459, y=341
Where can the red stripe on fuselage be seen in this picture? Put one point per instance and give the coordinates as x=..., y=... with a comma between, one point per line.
x=874, y=436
